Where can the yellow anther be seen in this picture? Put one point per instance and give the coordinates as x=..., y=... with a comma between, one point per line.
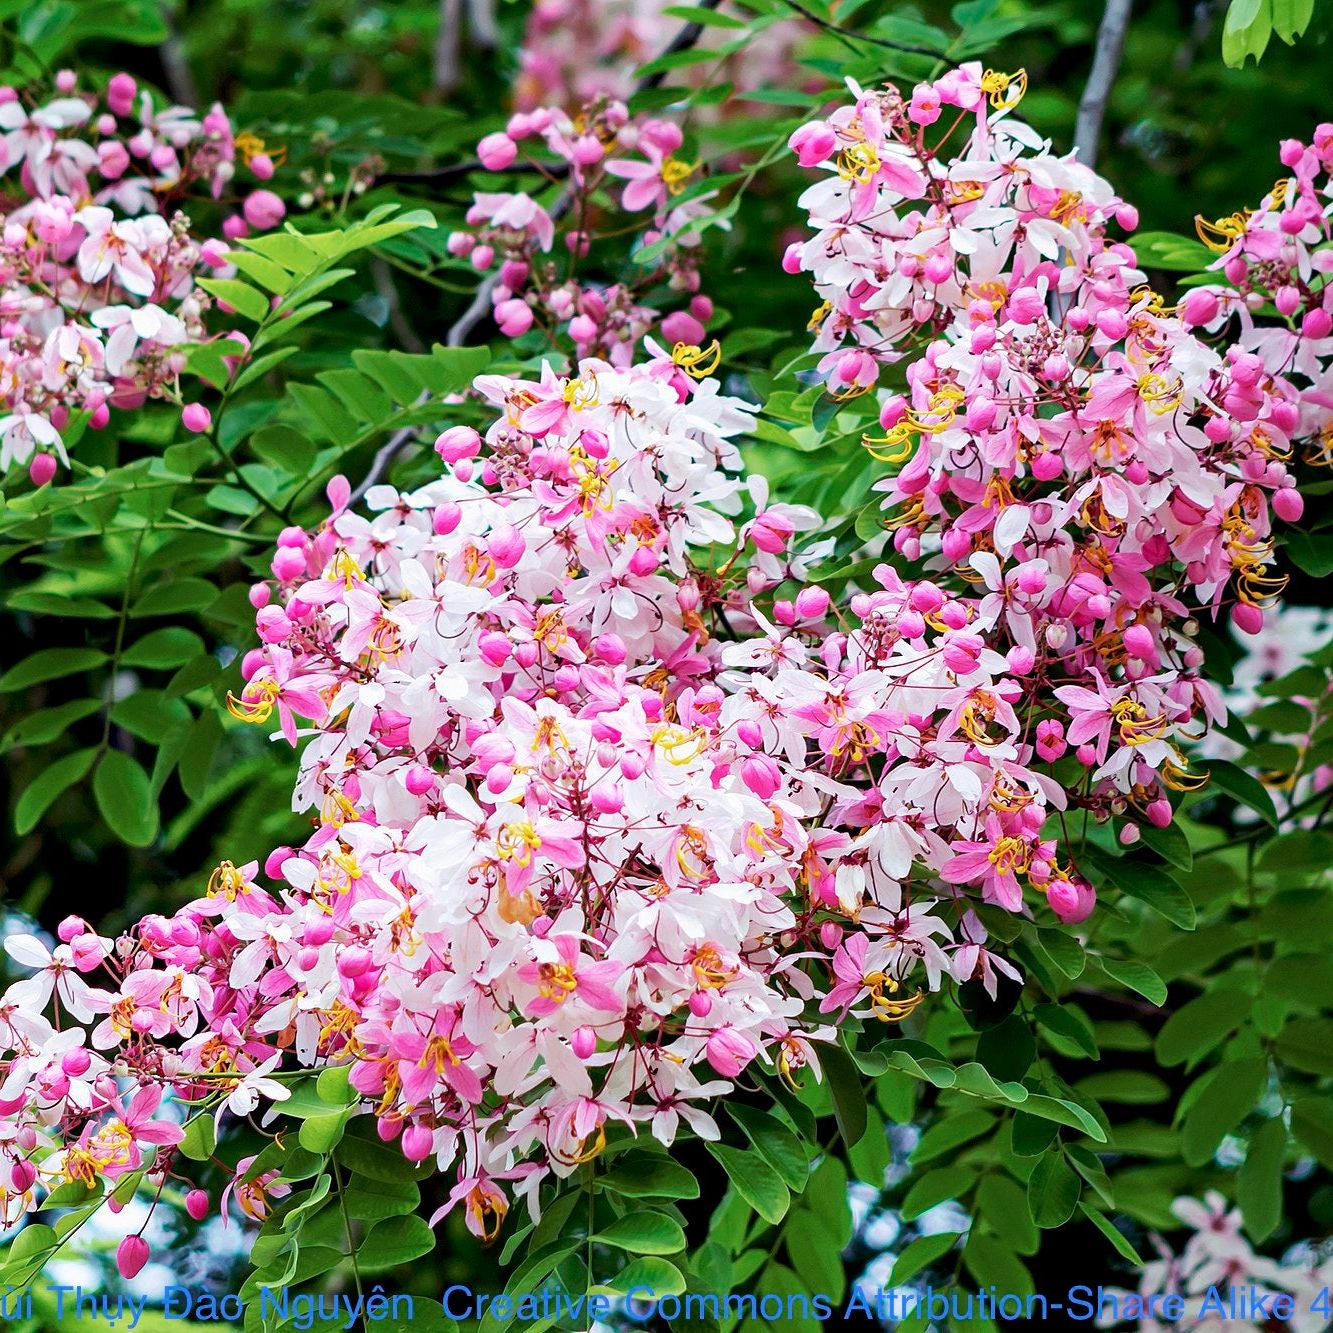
x=675, y=174
x=226, y=882
x=1004, y=90
x=697, y=362
x=256, y=701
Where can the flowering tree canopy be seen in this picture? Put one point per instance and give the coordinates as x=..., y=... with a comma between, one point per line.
x=875, y=752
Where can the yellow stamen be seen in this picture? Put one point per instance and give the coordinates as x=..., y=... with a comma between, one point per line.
x=697, y=362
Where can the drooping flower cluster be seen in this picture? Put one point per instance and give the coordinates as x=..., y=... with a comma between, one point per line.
x=537, y=285
x=1062, y=438
x=97, y=260
x=1215, y=1261
x=581, y=855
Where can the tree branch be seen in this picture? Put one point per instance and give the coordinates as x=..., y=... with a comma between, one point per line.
x=1105, y=64
x=846, y=35
x=446, y=67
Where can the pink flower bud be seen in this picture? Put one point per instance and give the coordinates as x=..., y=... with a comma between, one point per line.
x=761, y=775
x=812, y=602
x=71, y=928
x=131, y=1255
x=196, y=1204
x=120, y=94
x=610, y=648
x=497, y=151
x=1248, y=619
x=76, y=1063
x=514, y=317
x=495, y=648
x=583, y=1042
x=419, y=780
x=263, y=209
x=1139, y=643
x=813, y=144
x=446, y=518
x=1288, y=505
x=196, y=418
x=506, y=546
x=458, y=443
x=729, y=1051
x=354, y=961
x=41, y=469
x=418, y=1142
x=288, y=564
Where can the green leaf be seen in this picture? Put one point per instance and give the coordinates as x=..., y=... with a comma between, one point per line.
x=200, y=1138
x=125, y=798
x=657, y=1275
x=38, y=796
x=1162, y=249
x=1071, y=1023
x=1139, y=977
x=378, y=1161
x=370, y=1200
x=50, y=664
x=774, y=1142
x=844, y=1085
x=1248, y=26
x=921, y=1253
x=992, y=1263
x=1312, y=1123
x=47, y=724
x=1307, y=1044
x=1002, y=1204
x=1302, y=978
x=1152, y=885
x=947, y=1182
x=754, y=1180
x=1232, y=1092
x=239, y=295
x=170, y=646
x=321, y=1133
x=1065, y=1112
x=951, y=1132
x=395, y=1241
x=1259, y=1181
x=651, y=1175
x=644, y=1233
x=1053, y=1191
x=1201, y=1025
x=1112, y=1233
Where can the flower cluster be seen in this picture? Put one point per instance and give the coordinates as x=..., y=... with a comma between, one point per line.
x=1062, y=437
x=97, y=262
x=1216, y=1260
x=592, y=834
x=515, y=237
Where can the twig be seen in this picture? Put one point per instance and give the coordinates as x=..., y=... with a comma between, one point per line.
x=481, y=14
x=446, y=68
x=847, y=35
x=1105, y=64
x=388, y=290
x=481, y=300
x=176, y=67
x=682, y=41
